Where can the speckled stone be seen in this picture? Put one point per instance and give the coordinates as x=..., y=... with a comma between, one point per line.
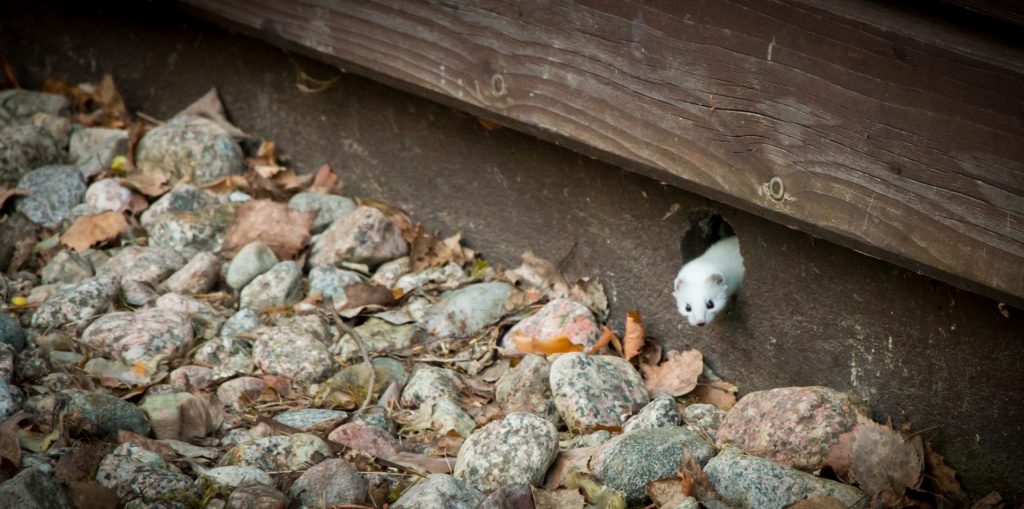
x=311, y=419
x=380, y=337
x=560, y=317
x=794, y=426
x=7, y=356
x=596, y=390
x=25, y=146
x=440, y=491
x=447, y=416
x=54, y=191
x=750, y=482
x=329, y=483
x=515, y=450
x=332, y=207
x=182, y=198
x=468, y=310
x=365, y=236
x=102, y=415
x=429, y=383
x=631, y=460
x=277, y=287
x=251, y=261
x=11, y=332
x=448, y=277
x=78, y=305
x=17, y=104
x=67, y=267
x=93, y=149
x=298, y=356
x=353, y=380
x=191, y=232
x=205, y=318
x=149, y=265
x=368, y=439
x=332, y=281
x=256, y=496
x=199, y=275
x=178, y=416
x=107, y=195
x=227, y=356
x=389, y=272
x=11, y=399
x=704, y=416
x=241, y=392
x=243, y=320
x=135, y=473
x=228, y=478
x=661, y=412
x=191, y=377
x=132, y=336
x=525, y=388
x=278, y=453
x=191, y=148
x=33, y=488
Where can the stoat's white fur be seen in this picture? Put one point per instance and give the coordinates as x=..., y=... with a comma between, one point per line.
x=712, y=278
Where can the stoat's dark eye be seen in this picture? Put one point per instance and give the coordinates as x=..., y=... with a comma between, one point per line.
x=711, y=304
x=688, y=308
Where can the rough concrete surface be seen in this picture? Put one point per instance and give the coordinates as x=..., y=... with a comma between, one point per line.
x=810, y=313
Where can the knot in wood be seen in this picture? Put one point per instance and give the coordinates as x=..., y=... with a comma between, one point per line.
x=776, y=190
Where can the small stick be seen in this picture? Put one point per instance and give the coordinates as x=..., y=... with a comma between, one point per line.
x=341, y=327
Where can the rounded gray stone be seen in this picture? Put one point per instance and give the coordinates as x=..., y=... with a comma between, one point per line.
x=276, y=287
x=192, y=148
x=54, y=191
x=661, y=412
x=24, y=147
x=515, y=450
x=595, y=390
x=332, y=281
x=631, y=460
x=331, y=207
x=102, y=415
x=440, y=491
x=251, y=261
x=329, y=483
x=11, y=332
x=67, y=267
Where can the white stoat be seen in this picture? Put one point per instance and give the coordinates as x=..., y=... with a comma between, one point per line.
x=704, y=285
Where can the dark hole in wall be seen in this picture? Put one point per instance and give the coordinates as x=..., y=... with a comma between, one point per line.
x=705, y=228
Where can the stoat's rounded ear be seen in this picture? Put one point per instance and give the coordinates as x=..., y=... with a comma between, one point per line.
x=716, y=279
x=679, y=284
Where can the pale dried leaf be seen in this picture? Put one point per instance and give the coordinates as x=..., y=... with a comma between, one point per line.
x=942, y=478
x=282, y=229
x=676, y=376
x=228, y=184
x=210, y=107
x=719, y=393
x=883, y=462
x=326, y=181
x=633, y=339
x=539, y=273
x=149, y=184
x=666, y=492
x=557, y=499
x=8, y=193
x=87, y=231
x=10, y=448
x=568, y=461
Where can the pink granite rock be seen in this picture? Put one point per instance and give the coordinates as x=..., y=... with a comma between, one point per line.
x=794, y=426
x=373, y=441
x=560, y=317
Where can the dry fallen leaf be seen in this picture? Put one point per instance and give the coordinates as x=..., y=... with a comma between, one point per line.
x=633, y=339
x=326, y=181
x=282, y=229
x=149, y=184
x=990, y=501
x=719, y=393
x=81, y=462
x=367, y=294
x=107, y=105
x=577, y=459
x=10, y=448
x=884, y=464
x=608, y=336
x=667, y=492
x=425, y=250
x=90, y=230
x=557, y=499
x=228, y=184
x=8, y=193
x=941, y=478
x=490, y=125
x=676, y=376
x=91, y=495
x=541, y=274
x=210, y=107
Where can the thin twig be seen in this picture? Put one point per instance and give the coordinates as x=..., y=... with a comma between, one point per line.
x=341, y=328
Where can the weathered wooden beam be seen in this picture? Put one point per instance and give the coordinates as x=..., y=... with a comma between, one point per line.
x=883, y=132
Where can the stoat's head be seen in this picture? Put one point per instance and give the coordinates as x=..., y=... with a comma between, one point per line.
x=699, y=301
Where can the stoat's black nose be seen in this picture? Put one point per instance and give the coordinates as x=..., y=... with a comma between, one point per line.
x=701, y=324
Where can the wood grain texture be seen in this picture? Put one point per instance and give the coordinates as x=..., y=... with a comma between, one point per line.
x=897, y=138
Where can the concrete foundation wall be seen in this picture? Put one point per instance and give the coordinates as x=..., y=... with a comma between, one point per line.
x=810, y=313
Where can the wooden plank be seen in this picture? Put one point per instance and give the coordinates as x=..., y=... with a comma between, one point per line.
x=879, y=131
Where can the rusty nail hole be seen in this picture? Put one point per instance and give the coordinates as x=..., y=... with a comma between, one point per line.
x=498, y=84
x=775, y=189
x=895, y=168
